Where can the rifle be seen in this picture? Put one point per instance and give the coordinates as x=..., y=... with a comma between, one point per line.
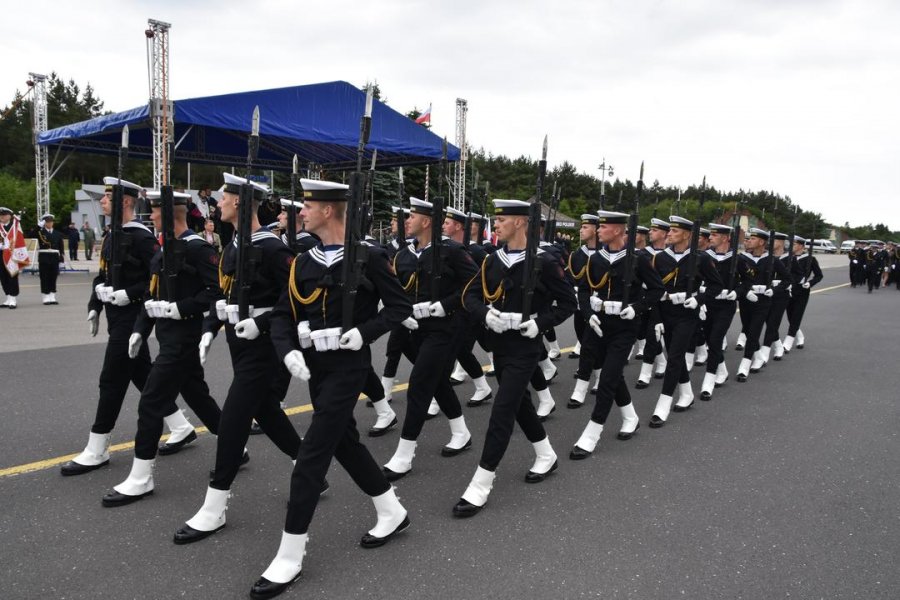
x=532, y=266
x=480, y=238
x=640, y=191
x=401, y=215
x=247, y=256
x=692, y=260
x=355, y=252
x=735, y=237
x=437, y=221
x=790, y=248
x=291, y=234
x=369, y=207
x=119, y=240
x=810, y=261
x=549, y=232
x=467, y=226
x=770, y=248
x=632, y=240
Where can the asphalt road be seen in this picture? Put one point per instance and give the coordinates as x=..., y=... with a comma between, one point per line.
x=786, y=486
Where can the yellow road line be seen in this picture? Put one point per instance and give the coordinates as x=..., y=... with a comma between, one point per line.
x=834, y=287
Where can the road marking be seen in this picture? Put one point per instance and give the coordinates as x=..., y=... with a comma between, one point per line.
x=834, y=287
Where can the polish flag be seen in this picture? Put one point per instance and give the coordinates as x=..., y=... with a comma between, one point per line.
x=15, y=254
x=425, y=117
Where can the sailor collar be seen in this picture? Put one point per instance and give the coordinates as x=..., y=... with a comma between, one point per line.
x=612, y=257
x=755, y=259
x=677, y=255
x=719, y=257
x=511, y=258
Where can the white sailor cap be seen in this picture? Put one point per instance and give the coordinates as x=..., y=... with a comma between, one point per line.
x=455, y=214
x=47, y=217
x=781, y=236
x=324, y=191
x=659, y=224
x=285, y=202
x=720, y=228
x=128, y=188
x=510, y=207
x=757, y=232
x=233, y=185
x=396, y=209
x=5, y=211
x=477, y=217
x=704, y=232
x=643, y=229
x=610, y=217
x=800, y=240
x=419, y=206
x=590, y=219
x=178, y=198
x=680, y=222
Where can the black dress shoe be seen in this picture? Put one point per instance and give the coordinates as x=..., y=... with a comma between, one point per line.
x=255, y=429
x=752, y=370
x=114, y=498
x=544, y=418
x=639, y=356
x=167, y=448
x=455, y=382
x=263, y=588
x=532, y=477
x=738, y=347
x=371, y=541
x=245, y=458
x=700, y=363
x=490, y=373
x=552, y=377
x=777, y=358
x=394, y=475
x=659, y=375
x=429, y=417
x=572, y=403
x=370, y=405
x=479, y=402
x=574, y=355
x=741, y=378
x=705, y=396
x=627, y=435
x=74, y=468
x=189, y=535
x=465, y=509
x=448, y=451
x=656, y=422
x=380, y=431
x=800, y=346
x=640, y=385
x=578, y=453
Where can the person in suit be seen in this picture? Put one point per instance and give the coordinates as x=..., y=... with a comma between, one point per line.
x=210, y=236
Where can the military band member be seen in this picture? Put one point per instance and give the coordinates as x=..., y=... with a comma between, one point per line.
x=807, y=273
x=612, y=318
x=439, y=322
x=50, y=255
x=720, y=310
x=178, y=321
x=339, y=361
x=122, y=307
x=495, y=296
x=680, y=313
x=15, y=256
x=755, y=295
x=260, y=380
x=651, y=322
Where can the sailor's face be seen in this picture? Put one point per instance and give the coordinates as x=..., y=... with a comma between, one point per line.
x=450, y=227
x=228, y=206
x=610, y=233
x=506, y=226
x=156, y=217
x=5, y=218
x=417, y=223
x=657, y=235
x=106, y=203
x=313, y=215
x=677, y=235
x=716, y=240
x=282, y=220
x=588, y=233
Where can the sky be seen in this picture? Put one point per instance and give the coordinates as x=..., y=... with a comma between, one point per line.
x=798, y=97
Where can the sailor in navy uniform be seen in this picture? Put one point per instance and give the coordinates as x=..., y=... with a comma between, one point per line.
x=260, y=380
x=50, y=255
x=680, y=314
x=495, y=296
x=612, y=317
x=806, y=274
x=699, y=354
x=640, y=244
x=755, y=295
x=304, y=240
x=178, y=322
x=122, y=306
x=466, y=363
x=651, y=323
x=588, y=346
x=396, y=244
x=720, y=310
x=771, y=344
x=436, y=336
x=339, y=361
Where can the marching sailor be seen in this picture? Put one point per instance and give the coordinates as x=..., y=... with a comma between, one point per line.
x=310, y=313
x=771, y=345
x=495, y=295
x=50, y=255
x=806, y=273
x=720, y=310
x=651, y=322
x=588, y=344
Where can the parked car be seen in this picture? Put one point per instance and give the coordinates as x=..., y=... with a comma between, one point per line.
x=847, y=246
x=824, y=246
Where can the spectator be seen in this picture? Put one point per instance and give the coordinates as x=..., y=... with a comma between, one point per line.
x=89, y=238
x=74, y=238
x=211, y=236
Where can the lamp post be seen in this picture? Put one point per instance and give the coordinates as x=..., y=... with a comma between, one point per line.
x=604, y=170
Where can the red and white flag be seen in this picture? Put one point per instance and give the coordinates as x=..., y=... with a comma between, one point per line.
x=425, y=117
x=15, y=254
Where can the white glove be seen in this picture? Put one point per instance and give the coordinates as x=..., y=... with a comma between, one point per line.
x=134, y=345
x=855, y=262
x=701, y=289
x=493, y=321
x=119, y=298
x=296, y=364
x=103, y=292
x=659, y=329
x=627, y=313
x=732, y=295
x=205, y=342
x=247, y=329
x=769, y=292
x=752, y=297
x=691, y=303
x=437, y=310
x=805, y=285
x=703, y=313
x=529, y=329
x=594, y=322
x=94, y=320
x=596, y=304
x=678, y=297
x=352, y=340
x=303, y=332
x=410, y=323
x=171, y=311
x=220, y=309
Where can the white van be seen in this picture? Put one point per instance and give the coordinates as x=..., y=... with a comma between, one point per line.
x=824, y=246
x=847, y=246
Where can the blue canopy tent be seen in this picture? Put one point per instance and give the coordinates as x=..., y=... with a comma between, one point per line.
x=319, y=123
